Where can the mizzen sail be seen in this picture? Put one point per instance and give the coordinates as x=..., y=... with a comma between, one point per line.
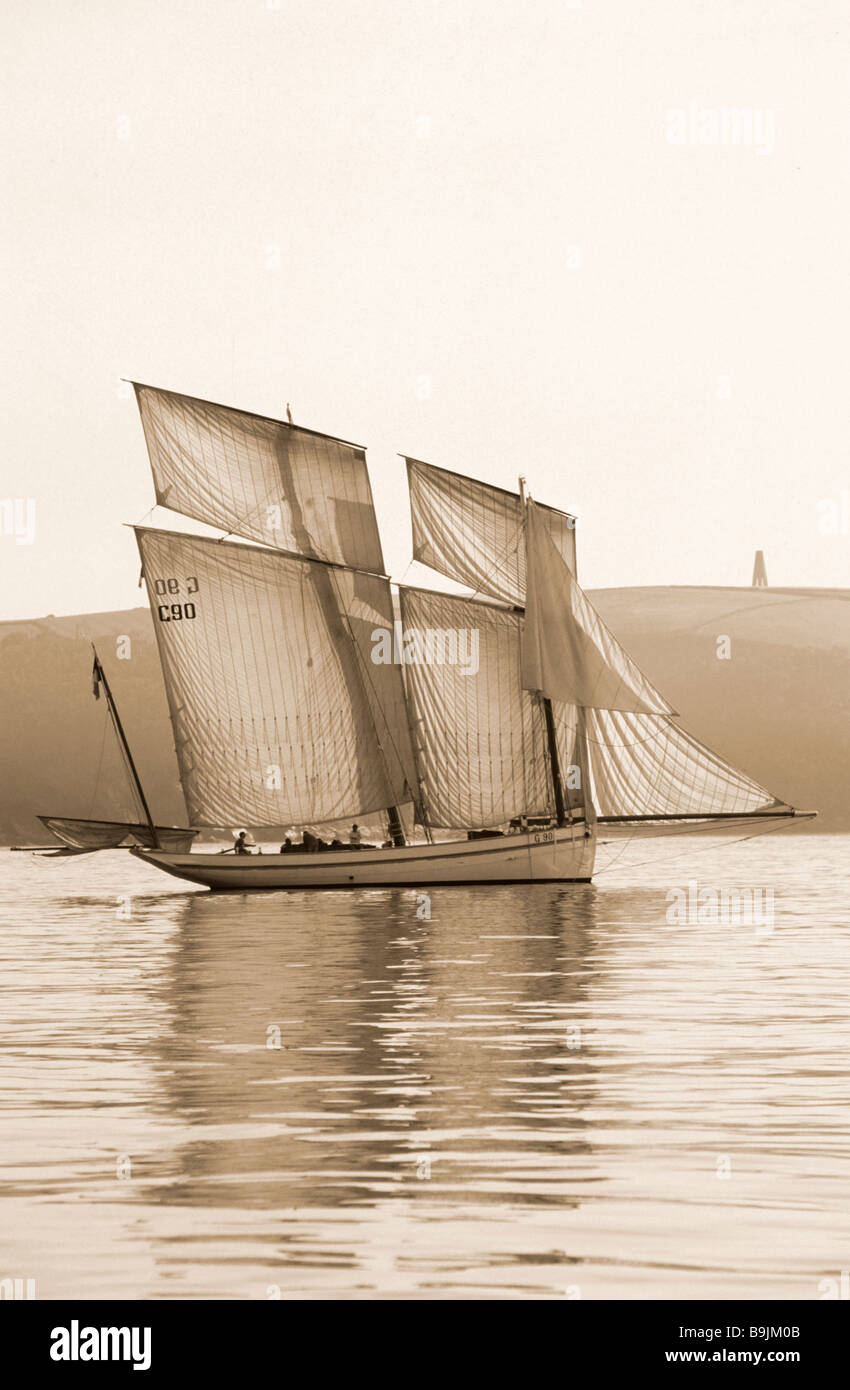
x=108, y=834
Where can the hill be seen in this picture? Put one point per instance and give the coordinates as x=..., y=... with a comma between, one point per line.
x=57, y=755
x=774, y=699
x=761, y=675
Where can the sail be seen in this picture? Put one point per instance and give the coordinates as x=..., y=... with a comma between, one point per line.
x=271, y=482
x=280, y=715
x=568, y=653
x=643, y=765
x=108, y=834
x=480, y=739
x=473, y=532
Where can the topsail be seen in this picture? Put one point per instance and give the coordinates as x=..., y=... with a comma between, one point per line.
x=474, y=533
x=261, y=479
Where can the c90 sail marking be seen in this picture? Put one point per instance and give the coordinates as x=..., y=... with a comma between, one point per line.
x=172, y=586
x=175, y=612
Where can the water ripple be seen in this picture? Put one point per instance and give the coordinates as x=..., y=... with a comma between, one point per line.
x=536, y=1092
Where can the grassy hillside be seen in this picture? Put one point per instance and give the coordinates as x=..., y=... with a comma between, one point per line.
x=57, y=755
x=778, y=707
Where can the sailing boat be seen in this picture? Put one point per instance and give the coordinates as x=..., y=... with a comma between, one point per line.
x=304, y=691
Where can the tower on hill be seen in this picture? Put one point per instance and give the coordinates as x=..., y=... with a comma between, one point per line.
x=759, y=571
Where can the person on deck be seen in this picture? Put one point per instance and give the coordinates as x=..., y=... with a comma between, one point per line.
x=354, y=837
x=241, y=846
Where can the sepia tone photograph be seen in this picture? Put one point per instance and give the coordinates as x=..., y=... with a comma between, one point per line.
x=425, y=664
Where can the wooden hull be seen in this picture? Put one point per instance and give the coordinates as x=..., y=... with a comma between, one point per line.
x=543, y=856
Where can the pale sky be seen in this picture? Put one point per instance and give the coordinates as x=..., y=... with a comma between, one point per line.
x=460, y=231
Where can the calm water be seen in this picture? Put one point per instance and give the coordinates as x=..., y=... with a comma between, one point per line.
x=539, y=1092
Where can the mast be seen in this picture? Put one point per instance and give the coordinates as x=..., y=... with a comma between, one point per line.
x=395, y=827
x=551, y=738
x=119, y=729
x=583, y=756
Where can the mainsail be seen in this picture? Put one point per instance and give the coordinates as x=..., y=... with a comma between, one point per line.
x=262, y=479
x=479, y=737
x=279, y=714
x=473, y=532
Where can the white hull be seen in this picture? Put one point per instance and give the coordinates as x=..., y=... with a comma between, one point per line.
x=543, y=856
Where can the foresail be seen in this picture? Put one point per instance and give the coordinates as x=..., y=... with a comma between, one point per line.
x=643, y=765
x=280, y=715
x=568, y=653
x=262, y=479
x=480, y=739
x=473, y=532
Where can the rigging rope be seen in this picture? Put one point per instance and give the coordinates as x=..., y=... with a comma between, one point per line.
x=96, y=787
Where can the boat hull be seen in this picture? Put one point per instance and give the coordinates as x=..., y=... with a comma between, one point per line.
x=562, y=856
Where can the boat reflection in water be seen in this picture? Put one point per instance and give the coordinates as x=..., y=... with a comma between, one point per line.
x=370, y=1069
